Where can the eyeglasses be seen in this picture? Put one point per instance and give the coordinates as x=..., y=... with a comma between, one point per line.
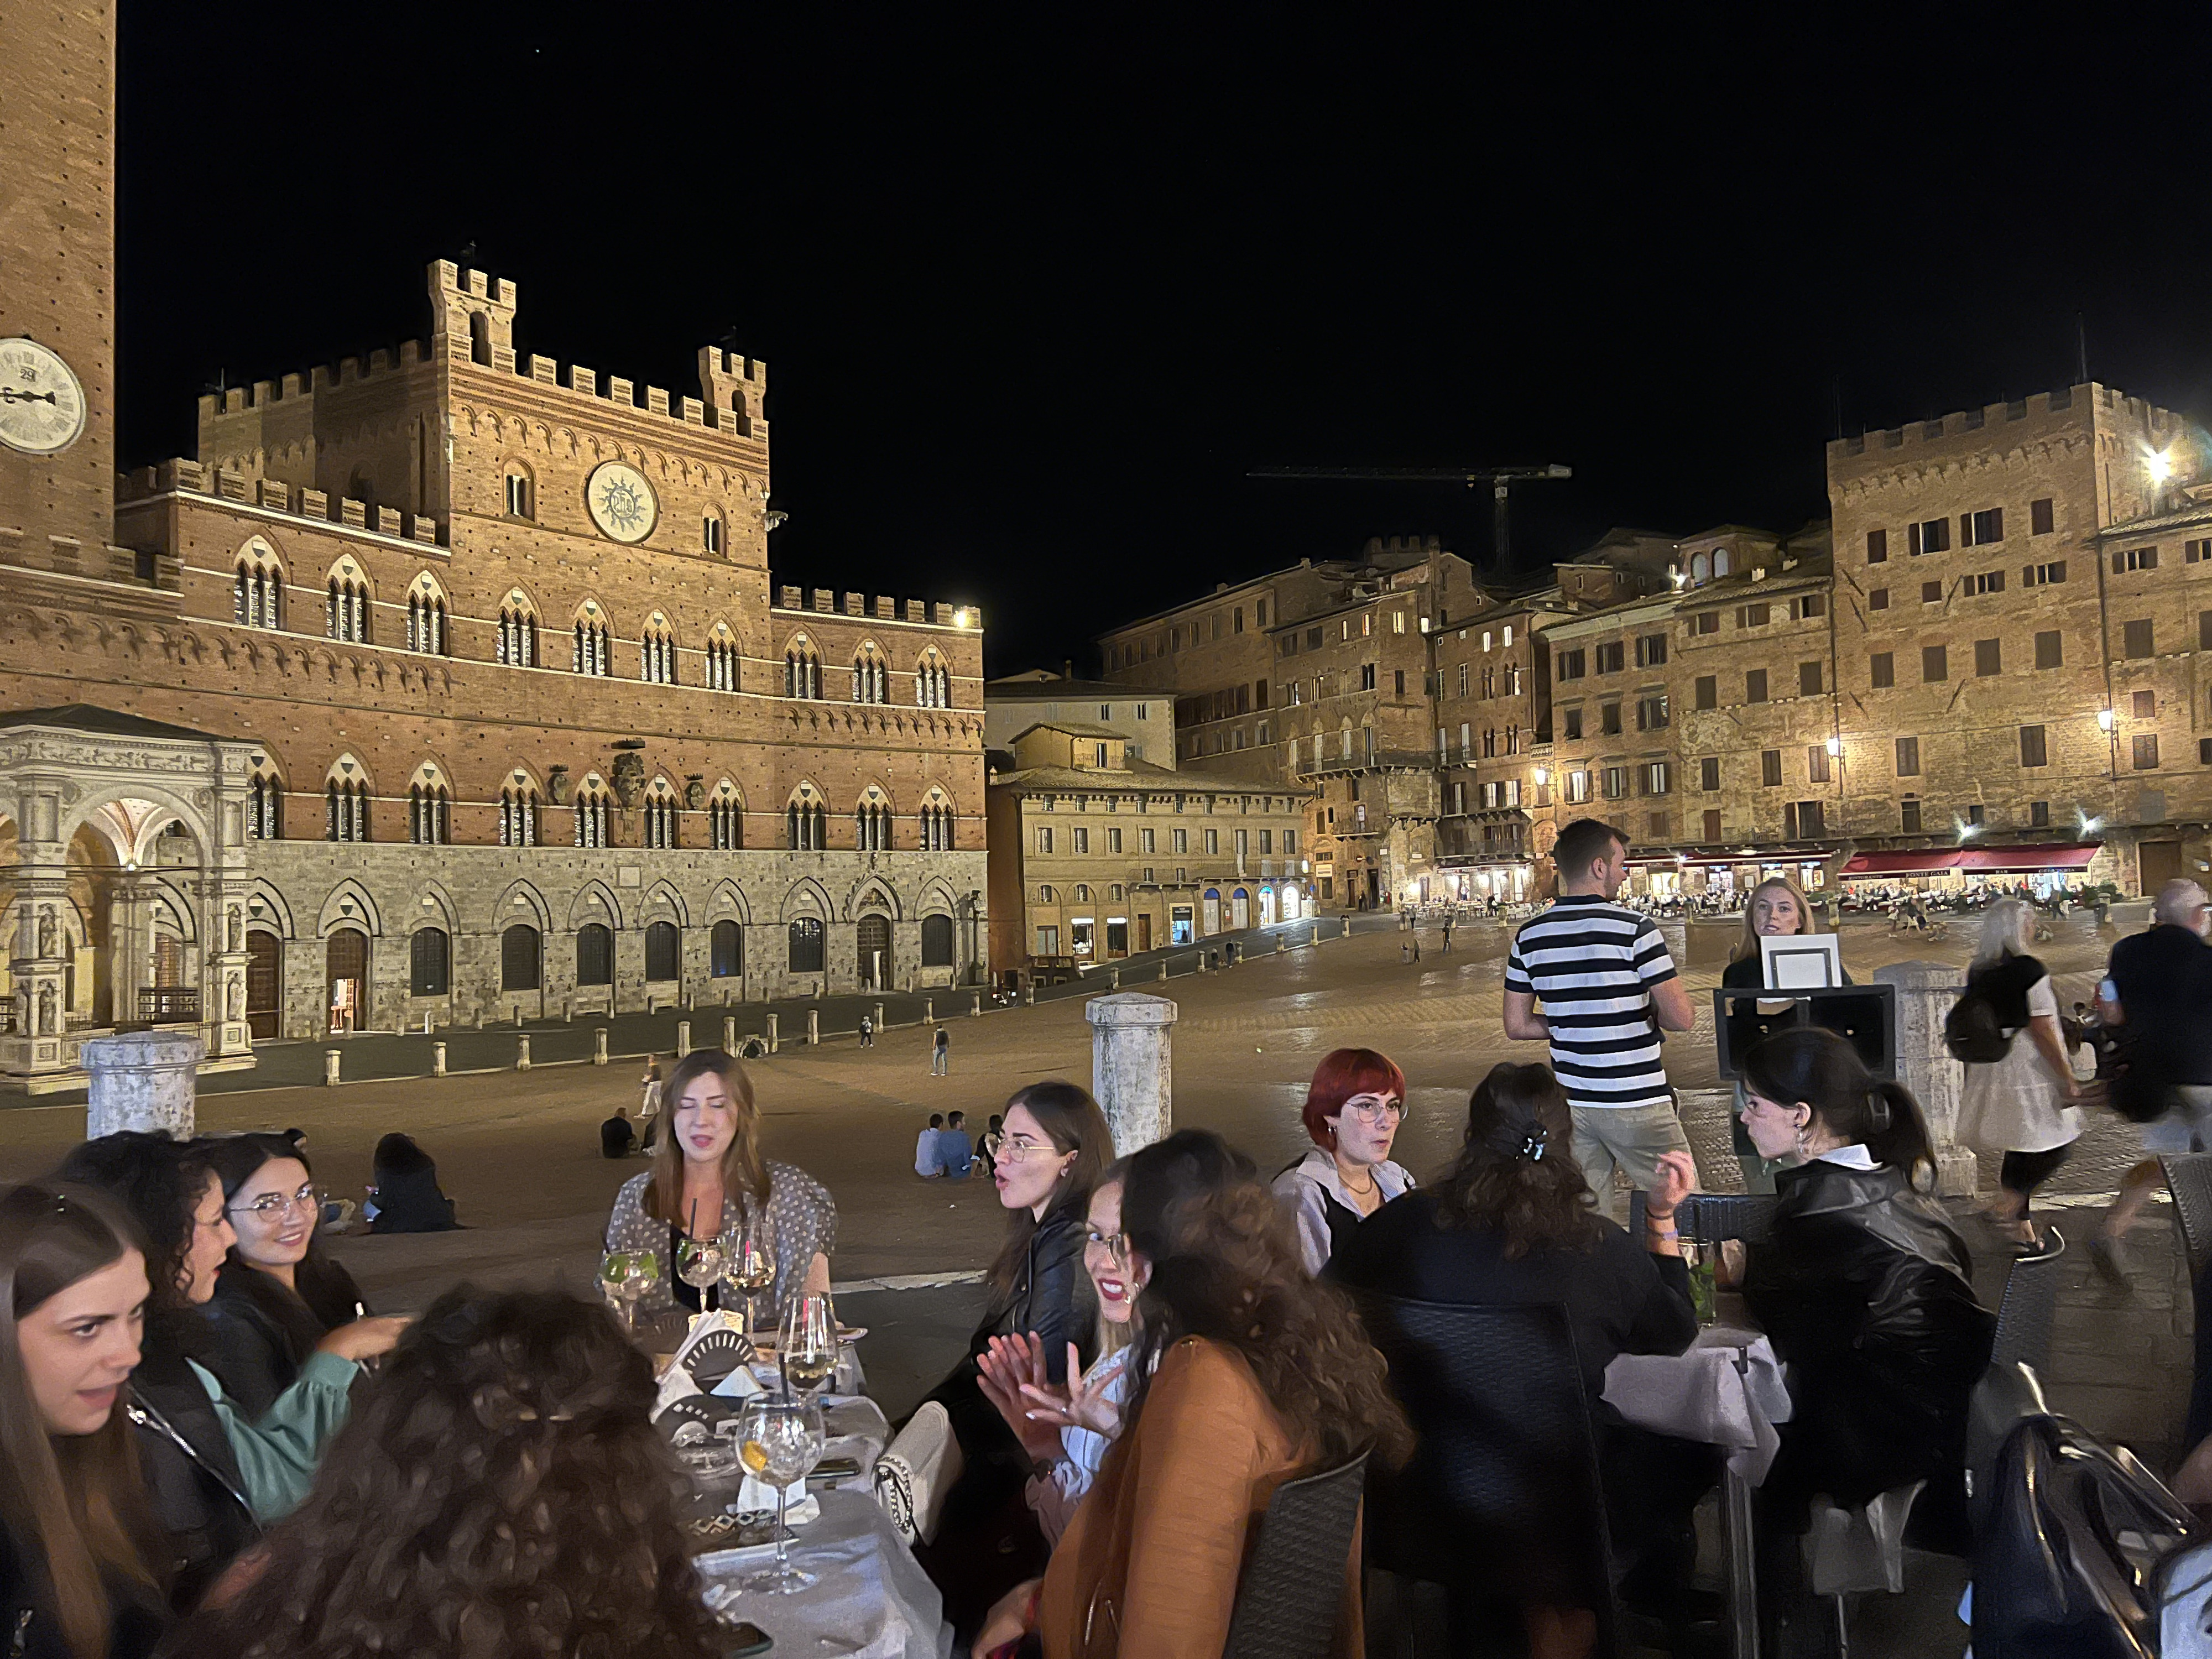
x=270, y=1206
x=1375, y=1111
x=1019, y=1149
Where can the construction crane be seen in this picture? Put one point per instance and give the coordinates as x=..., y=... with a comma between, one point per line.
x=1500, y=479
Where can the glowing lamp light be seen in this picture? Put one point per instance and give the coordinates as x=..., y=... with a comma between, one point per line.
x=2104, y=720
x=963, y=618
x=1834, y=746
x=1543, y=774
x=2159, y=463
x=2090, y=826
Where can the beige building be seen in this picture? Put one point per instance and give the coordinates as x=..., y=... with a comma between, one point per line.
x=1145, y=719
x=1095, y=855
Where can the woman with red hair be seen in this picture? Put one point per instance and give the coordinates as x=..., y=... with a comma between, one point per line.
x=1353, y=1108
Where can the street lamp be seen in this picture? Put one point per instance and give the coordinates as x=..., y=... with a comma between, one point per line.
x=2104, y=719
x=2159, y=463
x=1835, y=747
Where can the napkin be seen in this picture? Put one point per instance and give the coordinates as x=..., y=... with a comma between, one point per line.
x=756, y=1496
x=739, y=1384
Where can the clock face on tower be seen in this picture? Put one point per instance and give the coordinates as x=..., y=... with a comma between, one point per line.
x=41, y=405
x=621, y=502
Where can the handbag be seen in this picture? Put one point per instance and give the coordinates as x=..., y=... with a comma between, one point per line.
x=916, y=1470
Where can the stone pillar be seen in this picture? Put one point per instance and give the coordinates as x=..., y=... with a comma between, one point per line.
x=928, y=1011
x=522, y=1053
x=975, y=1007
x=598, y=1045
x=38, y=965
x=771, y=1033
x=879, y=1019
x=143, y=1080
x=1204, y=961
x=1279, y=944
x=331, y=1066
x=813, y=1026
x=1132, y=1065
x=1114, y=978
x=1028, y=993
x=683, y=1038
x=437, y=1059
x=729, y=1034
x=1925, y=992
x=1164, y=971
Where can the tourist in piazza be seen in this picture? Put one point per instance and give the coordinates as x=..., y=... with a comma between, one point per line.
x=1353, y=1109
x=708, y=1180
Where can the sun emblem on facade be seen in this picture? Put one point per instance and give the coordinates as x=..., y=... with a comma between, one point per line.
x=621, y=502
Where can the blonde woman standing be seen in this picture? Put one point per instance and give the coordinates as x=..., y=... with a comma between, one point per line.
x=1777, y=908
x=2021, y=1106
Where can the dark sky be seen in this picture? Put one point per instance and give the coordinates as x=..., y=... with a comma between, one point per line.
x=1037, y=287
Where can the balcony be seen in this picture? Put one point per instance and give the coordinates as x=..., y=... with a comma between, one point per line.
x=1384, y=759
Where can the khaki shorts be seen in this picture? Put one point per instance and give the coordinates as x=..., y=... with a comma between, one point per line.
x=1627, y=1138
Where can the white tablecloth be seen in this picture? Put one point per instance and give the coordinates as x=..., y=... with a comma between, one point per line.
x=1726, y=1390
x=872, y=1600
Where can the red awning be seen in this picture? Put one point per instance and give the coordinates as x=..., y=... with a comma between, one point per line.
x=2025, y=860
x=1902, y=864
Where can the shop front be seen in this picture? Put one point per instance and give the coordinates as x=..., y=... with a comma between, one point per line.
x=2036, y=871
x=1721, y=879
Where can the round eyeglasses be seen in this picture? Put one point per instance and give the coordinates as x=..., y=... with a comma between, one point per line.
x=270, y=1206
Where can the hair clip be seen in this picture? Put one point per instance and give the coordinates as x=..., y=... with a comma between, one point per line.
x=1532, y=1146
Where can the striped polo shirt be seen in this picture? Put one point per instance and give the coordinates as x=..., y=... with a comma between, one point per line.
x=1592, y=964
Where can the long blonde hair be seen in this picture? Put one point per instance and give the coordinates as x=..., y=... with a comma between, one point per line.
x=745, y=1172
x=2007, y=929
x=1747, y=946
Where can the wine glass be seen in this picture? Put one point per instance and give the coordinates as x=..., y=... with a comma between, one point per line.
x=641, y=1272
x=748, y=1265
x=780, y=1439
x=808, y=1343
x=617, y=1268
x=699, y=1264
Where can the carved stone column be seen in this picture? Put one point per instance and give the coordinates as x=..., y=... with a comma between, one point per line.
x=1925, y=992
x=1132, y=1066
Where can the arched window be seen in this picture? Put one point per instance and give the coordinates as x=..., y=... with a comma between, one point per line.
x=594, y=650
x=721, y=659
x=872, y=822
x=518, y=812
x=937, y=822
x=725, y=951
x=426, y=618
x=808, y=954
x=264, y=801
x=802, y=669
x=345, y=795
x=430, y=962
x=345, y=604
x=480, y=338
x=1046, y=895
x=936, y=941
x=518, y=958
x=1720, y=563
x=871, y=676
x=1701, y=568
x=521, y=492
x=429, y=810
x=258, y=600
x=518, y=631
x=933, y=681
x=594, y=814
x=664, y=952
x=662, y=816
x=726, y=818
x=595, y=954
x=1082, y=894
x=806, y=820
x=710, y=534
x=657, y=651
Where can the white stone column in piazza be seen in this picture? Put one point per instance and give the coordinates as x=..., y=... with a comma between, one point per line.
x=1925, y=992
x=143, y=1080
x=1132, y=1066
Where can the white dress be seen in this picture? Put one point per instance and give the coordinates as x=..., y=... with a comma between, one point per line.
x=2013, y=1105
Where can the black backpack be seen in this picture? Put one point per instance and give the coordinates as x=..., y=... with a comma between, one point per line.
x=1971, y=1030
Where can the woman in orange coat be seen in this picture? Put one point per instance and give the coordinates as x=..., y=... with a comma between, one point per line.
x=1248, y=1374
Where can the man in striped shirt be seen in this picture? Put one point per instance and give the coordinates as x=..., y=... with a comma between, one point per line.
x=1607, y=987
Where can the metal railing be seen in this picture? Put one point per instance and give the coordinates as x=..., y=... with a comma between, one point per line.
x=169, y=1004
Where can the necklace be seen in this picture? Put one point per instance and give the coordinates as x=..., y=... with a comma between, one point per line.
x=1368, y=1191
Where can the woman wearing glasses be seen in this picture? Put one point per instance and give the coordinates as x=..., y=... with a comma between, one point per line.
x=277, y=1295
x=1353, y=1111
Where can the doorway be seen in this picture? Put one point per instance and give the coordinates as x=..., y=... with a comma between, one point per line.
x=345, y=972
x=1143, y=932
x=874, y=936
x=265, y=985
x=2160, y=863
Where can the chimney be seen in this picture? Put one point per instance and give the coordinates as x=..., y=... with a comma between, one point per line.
x=1067, y=668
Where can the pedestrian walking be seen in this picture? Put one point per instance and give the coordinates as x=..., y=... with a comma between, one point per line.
x=940, y=1048
x=648, y=1107
x=867, y=1032
x=2021, y=1105
x=1607, y=987
x=2156, y=1003
x=1448, y=928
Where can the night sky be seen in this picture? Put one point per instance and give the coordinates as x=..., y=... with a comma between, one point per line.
x=1037, y=287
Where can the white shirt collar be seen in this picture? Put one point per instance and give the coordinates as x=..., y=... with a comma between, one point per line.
x=1390, y=1177
x=1853, y=1157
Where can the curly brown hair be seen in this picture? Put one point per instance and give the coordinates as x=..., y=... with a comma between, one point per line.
x=1226, y=1266
x=1517, y=1174
x=501, y=1492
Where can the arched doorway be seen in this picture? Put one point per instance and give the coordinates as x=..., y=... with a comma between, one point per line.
x=1267, y=906
x=265, y=985
x=1240, y=909
x=1288, y=903
x=1210, y=911
x=345, y=973
x=874, y=949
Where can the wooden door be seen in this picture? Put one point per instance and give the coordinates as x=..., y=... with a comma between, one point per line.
x=2161, y=863
x=874, y=934
x=1143, y=932
x=265, y=985
x=345, y=957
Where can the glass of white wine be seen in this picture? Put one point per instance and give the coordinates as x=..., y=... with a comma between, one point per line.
x=748, y=1265
x=808, y=1343
x=780, y=1440
x=699, y=1265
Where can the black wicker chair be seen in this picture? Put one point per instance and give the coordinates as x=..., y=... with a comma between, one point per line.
x=2031, y=1298
x=1292, y=1589
x=2189, y=1178
x=1710, y=1218
x=1501, y=1503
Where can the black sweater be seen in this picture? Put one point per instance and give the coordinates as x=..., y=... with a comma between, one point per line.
x=259, y=1333
x=28, y=1629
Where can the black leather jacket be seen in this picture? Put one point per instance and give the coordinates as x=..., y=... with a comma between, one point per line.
x=28, y=1629
x=1053, y=1296
x=191, y=1473
x=1866, y=1291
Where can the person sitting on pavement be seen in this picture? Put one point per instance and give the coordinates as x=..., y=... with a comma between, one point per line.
x=955, y=1154
x=1066, y=1427
x=503, y=1491
x=1865, y=1290
x=1514, y=1222
x=2156, y=1003
x=217, y=1474
x=1353, y=1106
x=81, y=1557
x=925, y=1162
x=993, y=1138
x=709, y=1178
x=277, y=1295
x=408, y=1197
x=616, y=1138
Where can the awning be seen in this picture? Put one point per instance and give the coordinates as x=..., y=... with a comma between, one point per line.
x=1902, y=864
x=2025, y=860
x=1702, y=860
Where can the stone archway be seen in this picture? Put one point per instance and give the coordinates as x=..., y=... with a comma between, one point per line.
x=873, y=944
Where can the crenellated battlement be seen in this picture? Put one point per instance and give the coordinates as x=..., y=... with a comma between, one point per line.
x=879, y=607
x=273, y=496
x=323, y=377
x=2070, y=406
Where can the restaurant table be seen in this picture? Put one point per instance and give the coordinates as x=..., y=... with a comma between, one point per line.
x=1727, y=1391
x=872, y=1600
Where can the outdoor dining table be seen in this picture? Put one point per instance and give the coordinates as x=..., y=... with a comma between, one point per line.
x=1726, y=1389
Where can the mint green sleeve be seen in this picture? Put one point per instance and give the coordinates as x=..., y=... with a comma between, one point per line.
x=278, y=1451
